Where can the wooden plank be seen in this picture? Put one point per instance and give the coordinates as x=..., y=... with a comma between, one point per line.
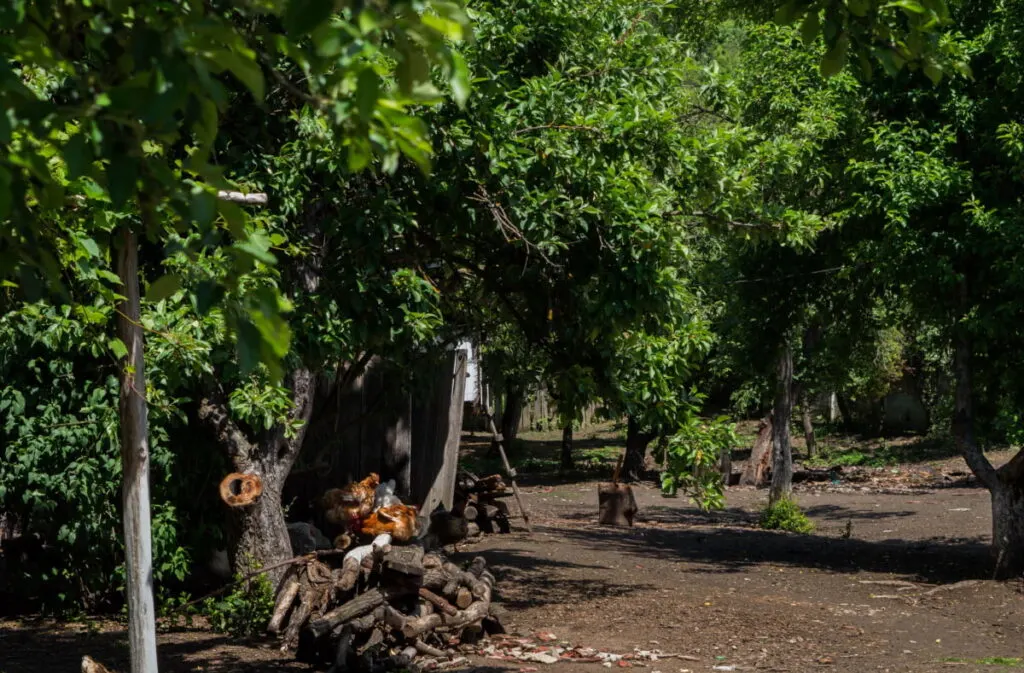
x=436, y=456
x=135, y=467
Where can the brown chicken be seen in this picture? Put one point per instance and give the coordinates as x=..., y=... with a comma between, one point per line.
x=349, y=505
x=397, y=520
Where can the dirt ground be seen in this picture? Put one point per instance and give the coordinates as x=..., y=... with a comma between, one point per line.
x=895, y=577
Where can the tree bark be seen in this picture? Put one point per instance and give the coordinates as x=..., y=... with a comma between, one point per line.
x=135, y=466
x=1006, y=485
x=636, y=451
x=805, y=412
x=782, y=450
x=1008, y=525
x=511, y=416
x=567, y=448
x=258, y=535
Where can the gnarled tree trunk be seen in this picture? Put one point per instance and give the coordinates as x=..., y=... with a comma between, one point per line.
x=636, y=451
x=782, y=450
x=258, y=535
x=1006, y=484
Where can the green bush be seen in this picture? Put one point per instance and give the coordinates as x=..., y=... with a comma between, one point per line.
x=245, y=611
x=60, y=470
x=785, y=515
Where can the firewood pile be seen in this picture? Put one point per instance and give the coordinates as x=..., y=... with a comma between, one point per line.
x=393, y=602
x=383, y=607
x=481, y=502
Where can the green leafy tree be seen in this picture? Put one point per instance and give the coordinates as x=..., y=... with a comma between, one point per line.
x=115, y=107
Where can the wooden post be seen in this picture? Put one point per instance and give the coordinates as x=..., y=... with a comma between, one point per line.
x=509, y=470
x=135, y=467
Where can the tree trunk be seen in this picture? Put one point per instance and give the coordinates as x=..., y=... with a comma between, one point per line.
x=782, y=451
x=805, y=412
x=1008, y=525
x=135, y=467
x=567, y=448
x=760, y=455
x=636, y=451
x=1006, y=484
x=258, y=534
x=511, y=416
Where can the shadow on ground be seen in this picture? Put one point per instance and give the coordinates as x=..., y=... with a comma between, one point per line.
x=519, y=570
x=720, y=543
x=38, y=646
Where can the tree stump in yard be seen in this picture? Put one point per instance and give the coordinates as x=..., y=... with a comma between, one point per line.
x=754, y=474
x=615, y=502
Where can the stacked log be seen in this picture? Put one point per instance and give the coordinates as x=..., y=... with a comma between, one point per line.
x=383, y=607
x=481, y=502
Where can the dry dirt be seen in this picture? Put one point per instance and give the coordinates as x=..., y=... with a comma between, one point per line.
x=712, y=587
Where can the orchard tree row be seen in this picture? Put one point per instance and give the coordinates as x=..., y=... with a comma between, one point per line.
x=632, y=202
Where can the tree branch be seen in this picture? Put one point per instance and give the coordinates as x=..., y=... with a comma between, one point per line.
x=1013, y=471
x=214, y=412
x=303, y=385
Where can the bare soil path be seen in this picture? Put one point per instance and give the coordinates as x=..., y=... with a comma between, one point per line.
x=894, y=578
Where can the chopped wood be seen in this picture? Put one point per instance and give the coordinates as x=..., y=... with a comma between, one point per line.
x=295, y=624
x=405, y=560
x=463, y=598
x=423, y=648
x=285, y=599
x=438, y=601
x=357, y=607
x=363, y=605
x=477, y=566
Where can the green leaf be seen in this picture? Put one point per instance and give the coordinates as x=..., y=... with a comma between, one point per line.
x=810, y=27
x=247, y=345
x=203, y=207
x=359, y=154
x=208, y=294
x=367, y=21
x=118, y=348
x=787, y=13
x=909, y=6
x=460, y=79
x=77, y=156
x=257, y=246
x=933, y=71
x=302, y=16
x=163, y=287
x=859, y=7
x=90, y=247
x=122, y=175
x=246, y=69
x=367, y=93
x=835, y=58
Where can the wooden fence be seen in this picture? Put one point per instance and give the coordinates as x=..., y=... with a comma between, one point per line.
x=376, y=426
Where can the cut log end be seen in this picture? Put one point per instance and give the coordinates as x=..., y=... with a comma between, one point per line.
x=240, y=490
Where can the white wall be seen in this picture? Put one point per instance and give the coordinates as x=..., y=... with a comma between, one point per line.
x=472, y=372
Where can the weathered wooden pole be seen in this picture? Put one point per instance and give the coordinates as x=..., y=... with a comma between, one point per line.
x=511, y=471
x=135, y=466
